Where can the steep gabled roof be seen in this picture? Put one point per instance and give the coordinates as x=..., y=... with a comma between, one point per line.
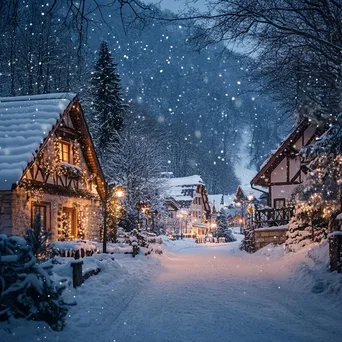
x=25, y=124
x=183, y=188
x=278, y=155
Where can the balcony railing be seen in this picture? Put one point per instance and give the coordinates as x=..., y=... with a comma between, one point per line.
x=273, y=217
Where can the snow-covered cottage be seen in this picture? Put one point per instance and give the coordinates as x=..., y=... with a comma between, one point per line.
x=283, y=171
x=48, y=165
x=192, y=197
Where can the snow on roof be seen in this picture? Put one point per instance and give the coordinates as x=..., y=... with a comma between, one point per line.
x=182, y=188
x=24, y=123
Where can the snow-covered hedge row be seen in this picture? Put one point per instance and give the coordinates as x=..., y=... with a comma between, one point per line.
x=80, y=248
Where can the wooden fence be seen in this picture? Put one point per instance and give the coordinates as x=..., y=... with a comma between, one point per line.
x=271, y=217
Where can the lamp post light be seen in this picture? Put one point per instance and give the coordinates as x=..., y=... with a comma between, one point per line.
x=240, y=204
x=181, y=215
x=250, y=198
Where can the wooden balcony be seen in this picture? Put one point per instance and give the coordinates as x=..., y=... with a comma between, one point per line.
x=272, y=217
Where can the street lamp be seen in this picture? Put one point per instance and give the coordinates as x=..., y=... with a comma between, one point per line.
x=250, y=197
x=242, y=215
x=182, y=214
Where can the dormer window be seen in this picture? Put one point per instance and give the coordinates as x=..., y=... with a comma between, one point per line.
x=65, y=149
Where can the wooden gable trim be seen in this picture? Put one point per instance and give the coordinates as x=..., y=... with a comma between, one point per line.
x=297, y=175
x=279, y=155
x=205, y=199
x=87, y=146
x=284, y=183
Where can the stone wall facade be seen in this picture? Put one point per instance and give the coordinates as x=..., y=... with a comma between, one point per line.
x=5, y=212
x=265, y=236
x=22, y=213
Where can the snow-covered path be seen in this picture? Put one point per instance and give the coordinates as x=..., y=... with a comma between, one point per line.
x=217, y=294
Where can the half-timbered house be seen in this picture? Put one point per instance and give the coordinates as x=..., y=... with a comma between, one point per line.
x=48, y=165
x=192, y=197
x=281, y=174
x=284, y=170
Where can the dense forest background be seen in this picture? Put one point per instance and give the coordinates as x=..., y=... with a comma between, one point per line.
x=199, y=104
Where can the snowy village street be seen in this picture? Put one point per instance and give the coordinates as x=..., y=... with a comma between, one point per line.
x=199, y=292
x=217, y=294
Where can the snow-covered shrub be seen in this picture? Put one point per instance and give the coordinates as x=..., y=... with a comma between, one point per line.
x=26, y=288
x=309, y=224
x=229, y=235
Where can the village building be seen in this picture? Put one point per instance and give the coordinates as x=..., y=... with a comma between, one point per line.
x=278, y=178
x=191, y=195
x=284, y=170
x=48, y=165
x=171, y=221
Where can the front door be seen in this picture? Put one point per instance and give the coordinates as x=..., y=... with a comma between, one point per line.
x=70, y=218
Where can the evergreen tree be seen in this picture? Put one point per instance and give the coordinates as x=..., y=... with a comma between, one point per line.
x=107, y=100
x=38, y=239
x=222, y=224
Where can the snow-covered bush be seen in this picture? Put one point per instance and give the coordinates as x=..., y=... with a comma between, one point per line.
x=309, y=224
x=229, y=235
x=147, y=242
x=26, y=288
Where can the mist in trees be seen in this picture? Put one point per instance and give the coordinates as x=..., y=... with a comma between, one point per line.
x=202, y=101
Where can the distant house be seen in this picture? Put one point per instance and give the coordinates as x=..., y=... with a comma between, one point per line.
x=48, y=165
x=283, y=171
x=191, y=195
x=171, y=222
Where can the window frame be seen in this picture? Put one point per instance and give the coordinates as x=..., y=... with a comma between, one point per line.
x=63, y=143
x=47, y=214
x=280, y=200
x=73, y=212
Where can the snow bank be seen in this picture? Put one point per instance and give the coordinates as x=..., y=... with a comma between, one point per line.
x=96, y=304
x=68, y=247
x=271, y=252
x=306, y=269
x=311, y=271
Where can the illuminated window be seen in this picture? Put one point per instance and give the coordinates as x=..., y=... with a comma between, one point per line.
x=44, y=209
x=65, y=152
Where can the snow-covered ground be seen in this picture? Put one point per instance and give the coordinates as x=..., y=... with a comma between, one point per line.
x=207, y=292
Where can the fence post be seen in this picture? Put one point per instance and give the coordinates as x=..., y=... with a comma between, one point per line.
x=77, y=273
x=135, y=249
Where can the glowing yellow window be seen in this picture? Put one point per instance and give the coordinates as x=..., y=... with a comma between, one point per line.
x=65, y=152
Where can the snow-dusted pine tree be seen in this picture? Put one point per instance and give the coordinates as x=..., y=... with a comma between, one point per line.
x=107, y=106
x=38, y=239
x=222, y=223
